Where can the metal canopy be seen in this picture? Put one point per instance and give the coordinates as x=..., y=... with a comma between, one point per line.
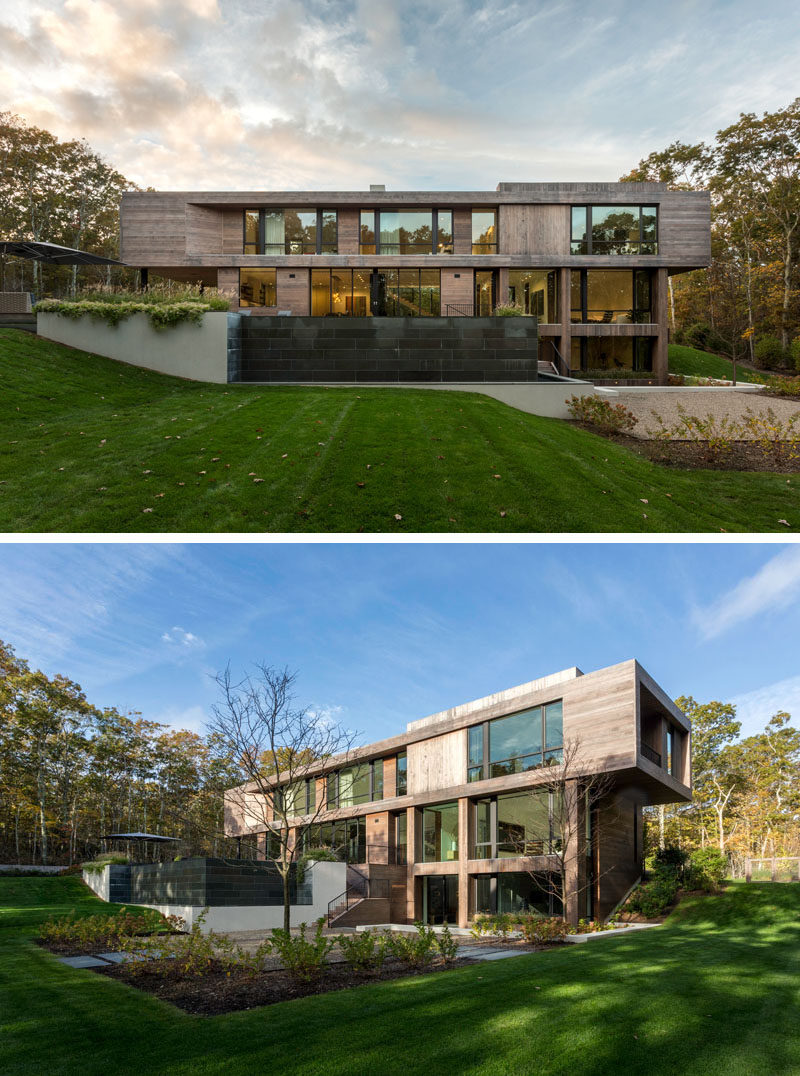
x=52, y=253
x=155, y=837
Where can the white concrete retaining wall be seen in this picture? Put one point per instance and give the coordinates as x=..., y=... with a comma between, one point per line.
x=195, y=350
x=98, y=883
x=329, y=880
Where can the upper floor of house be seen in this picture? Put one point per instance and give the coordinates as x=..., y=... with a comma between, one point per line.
x=616, y=720
x=532, y=224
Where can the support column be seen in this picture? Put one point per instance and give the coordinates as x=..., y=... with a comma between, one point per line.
x=464, y=845
x=575, y=852
x=661, y=318
x=564, y=307
x=412, y=855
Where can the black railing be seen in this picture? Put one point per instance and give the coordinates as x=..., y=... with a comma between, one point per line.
x=651, y=755
x=459, y=310
x=360, y=889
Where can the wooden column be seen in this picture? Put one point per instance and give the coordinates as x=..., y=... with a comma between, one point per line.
x=413, y=851
x=576, y=861
x=661, y=318
x=564, y=305
x=464, y=845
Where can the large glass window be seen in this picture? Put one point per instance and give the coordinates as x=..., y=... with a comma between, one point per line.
x=355, y=784
x=258, y=287
x=516, y=743
x=346, y=838
x=617, y=229
x=536, y=291
x=607, y=296
x=516, y=892
x=618, y=353
x=300, y=798
x=407, y=292
x=440, y=833
x=406, y=231
x=520, y=824
x=402, y=774
x=484, y=231
x=401, y=839
x=290, y=231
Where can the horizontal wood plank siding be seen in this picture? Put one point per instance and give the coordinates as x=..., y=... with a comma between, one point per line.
x=232, y=231
x=294, y=291
x=534, y=229
x=203, y=230
x=349, y=230
x=457, y=289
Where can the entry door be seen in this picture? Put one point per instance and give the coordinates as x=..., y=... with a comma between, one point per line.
x=378, y=294
x=485, y=292
x=441, y=903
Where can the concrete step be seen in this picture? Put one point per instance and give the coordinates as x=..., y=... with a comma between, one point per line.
x=366, y=912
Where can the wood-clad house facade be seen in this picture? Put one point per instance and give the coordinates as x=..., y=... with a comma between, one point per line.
x=590, y=260
x=460, y=815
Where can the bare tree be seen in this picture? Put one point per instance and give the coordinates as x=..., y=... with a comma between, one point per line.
x=276, y=747
x=572, y=789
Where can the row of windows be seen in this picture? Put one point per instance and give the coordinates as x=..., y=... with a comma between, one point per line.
x=347, y=787
x=620, y=229
x=516, y=743
x=604, y=296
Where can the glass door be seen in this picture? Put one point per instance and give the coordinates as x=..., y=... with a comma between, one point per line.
x=440, y=899
x=485, y=292
x=378, y=293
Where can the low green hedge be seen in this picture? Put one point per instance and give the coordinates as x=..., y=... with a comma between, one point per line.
x=162, y=315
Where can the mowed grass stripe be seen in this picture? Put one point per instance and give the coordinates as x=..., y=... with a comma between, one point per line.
x=87, y=444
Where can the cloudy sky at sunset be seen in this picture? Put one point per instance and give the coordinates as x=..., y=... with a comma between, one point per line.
x=335, y=94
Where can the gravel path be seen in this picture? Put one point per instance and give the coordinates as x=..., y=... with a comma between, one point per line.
x=718, y=402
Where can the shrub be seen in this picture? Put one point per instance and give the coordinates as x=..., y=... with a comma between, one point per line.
x=495, y=925
x=770, y=353
x=162, y=314
x=654, y=898
x=509, y=310
x=707, y=869
x=188, y=954
x=364, y=950
x=96, y=866
x=783, y=386
x=539, y=930
x=103, y=931
x=702, y=336
x=446, y=945
x=778, y=438
x=250, y=963
x=314, y=855
x=304, y=958
x=794, y=351
x=414, y=950
x=670, y=860
x=601, y=415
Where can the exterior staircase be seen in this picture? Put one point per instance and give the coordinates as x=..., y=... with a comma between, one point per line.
x=368, y=897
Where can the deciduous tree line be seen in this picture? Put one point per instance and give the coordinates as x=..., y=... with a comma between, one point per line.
x=751, y=293
x=746, y=791
x=55, y=192
x=71, y=772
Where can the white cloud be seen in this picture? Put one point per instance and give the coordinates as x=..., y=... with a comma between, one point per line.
x=774, y=587
x=182, y=639
x=755, y=708
x=190, y=718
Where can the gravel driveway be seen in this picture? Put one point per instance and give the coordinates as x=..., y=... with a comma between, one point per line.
x=718, y=402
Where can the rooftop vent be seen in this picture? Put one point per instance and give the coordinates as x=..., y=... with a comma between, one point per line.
x=377, y=186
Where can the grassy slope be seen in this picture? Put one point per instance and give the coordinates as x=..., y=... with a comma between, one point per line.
x=688, y=360
x=88, y=444
x=713, y=993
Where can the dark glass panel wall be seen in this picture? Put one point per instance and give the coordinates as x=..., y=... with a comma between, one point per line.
x=618, y=229
x=484, y=231
x=258, y=287
x=610, y=296
x=440, y=833
x=616, y=353
x=536, y=291
x=406, y=231
x=291, y=231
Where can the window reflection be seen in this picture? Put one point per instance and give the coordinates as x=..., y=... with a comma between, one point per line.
x=607, y=296
x=484, y=231
x=618, y=229
x=257, y=287
x=290, y=231
x=535, y=291
x=406, y=231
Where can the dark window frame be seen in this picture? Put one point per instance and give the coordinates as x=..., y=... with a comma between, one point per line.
x=640, y=362
x=397, y=789
x=262, y=211
x=333, y=778
x=636, y=311
x=494, y=843
x=587, y=241
x=376, y=231
x=490, y=248
x=555, y=754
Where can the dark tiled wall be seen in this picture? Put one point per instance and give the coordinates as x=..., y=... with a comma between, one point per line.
x=213, y=882
x=119, y=883
x=388, y=350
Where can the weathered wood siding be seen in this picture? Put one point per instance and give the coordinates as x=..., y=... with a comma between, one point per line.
x=437, y=763
x=534, y=229
x=203, y=230
x=618, y=853
x=349, y=230
x=457, y=286
x=294, y=291
x=232, y=231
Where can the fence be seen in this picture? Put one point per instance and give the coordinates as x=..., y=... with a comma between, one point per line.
x=773, y=869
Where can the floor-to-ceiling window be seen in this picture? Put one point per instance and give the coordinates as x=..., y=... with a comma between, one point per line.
x=516, y=743
x=536, y=291
x=440, y=833
x=615, y=229
x=614, y=353
x=517, y=892
x=378, y=292
x=291, y=231
x=257, y=287
x=406, y=231
x=347, y=838
x=618, y=296
x=440, y=899
x=485, y=292
x=518, y=824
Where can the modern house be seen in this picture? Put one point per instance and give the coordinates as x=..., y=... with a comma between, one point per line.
x=474, y=809
x=589, y=261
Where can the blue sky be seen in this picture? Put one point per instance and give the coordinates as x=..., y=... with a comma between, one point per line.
x=335, y=94
x=384, y=634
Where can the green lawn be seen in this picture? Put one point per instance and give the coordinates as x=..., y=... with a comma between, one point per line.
x=715, y=992
x=688, y=360
x=87, y=444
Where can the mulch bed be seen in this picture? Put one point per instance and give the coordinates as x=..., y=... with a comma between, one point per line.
x=91, y=948
x=216, y=992
x=696, y=455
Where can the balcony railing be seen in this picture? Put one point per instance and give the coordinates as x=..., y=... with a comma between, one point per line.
x=651, y=755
